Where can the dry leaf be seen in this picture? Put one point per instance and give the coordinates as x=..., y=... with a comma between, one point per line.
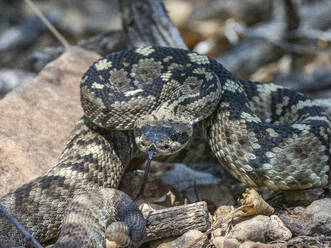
x=169, y=197
x=222, y=211
x=253, y=204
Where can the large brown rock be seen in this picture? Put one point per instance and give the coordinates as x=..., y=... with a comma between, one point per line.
x=37, y=117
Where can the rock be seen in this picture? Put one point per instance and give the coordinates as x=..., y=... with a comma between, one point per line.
x=221, y=242
x=254, y=229
x=251, y=244
x=37, y=118
x=182, y=177
x=293, y=225
x=277, y=230
x=321, y=241
x=298, y=210
x=320, y=221
x=314, y=220
x=186, y=240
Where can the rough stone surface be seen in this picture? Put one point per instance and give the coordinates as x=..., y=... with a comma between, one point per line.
x=251, y=244
x=183, y=177
x=320, y=212
x=253, y=229
x=277, y=230
x=221, y=242
x=186, y=240
x=36, y=119
x=314, y=220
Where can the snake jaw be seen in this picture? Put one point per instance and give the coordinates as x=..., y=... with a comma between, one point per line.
x=164, y=136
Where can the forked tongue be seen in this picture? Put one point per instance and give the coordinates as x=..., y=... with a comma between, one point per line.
x=148, y=165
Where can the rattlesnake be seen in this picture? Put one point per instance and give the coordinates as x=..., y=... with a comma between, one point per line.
x=154, y=98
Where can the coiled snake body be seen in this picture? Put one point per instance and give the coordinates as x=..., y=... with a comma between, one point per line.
x=147, y=98
x=266, y=136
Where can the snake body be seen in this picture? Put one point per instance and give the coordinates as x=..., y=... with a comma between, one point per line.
x=77, y=196
x=147, y=98
x=267, y=136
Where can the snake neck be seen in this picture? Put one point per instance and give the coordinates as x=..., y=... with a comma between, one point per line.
x=122, y=141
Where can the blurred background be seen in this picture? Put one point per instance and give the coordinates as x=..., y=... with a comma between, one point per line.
x=286, y=41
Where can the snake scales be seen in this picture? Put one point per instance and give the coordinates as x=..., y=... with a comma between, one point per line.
x=147, y=98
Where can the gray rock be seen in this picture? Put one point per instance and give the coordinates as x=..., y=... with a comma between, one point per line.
x=315, y=220
x=183, y=177
x=254, y=229
x=320, y=213
x=277, y=230
x=186, y=240
x=221, y=242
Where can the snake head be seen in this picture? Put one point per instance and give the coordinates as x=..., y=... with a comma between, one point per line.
x=164, y=134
